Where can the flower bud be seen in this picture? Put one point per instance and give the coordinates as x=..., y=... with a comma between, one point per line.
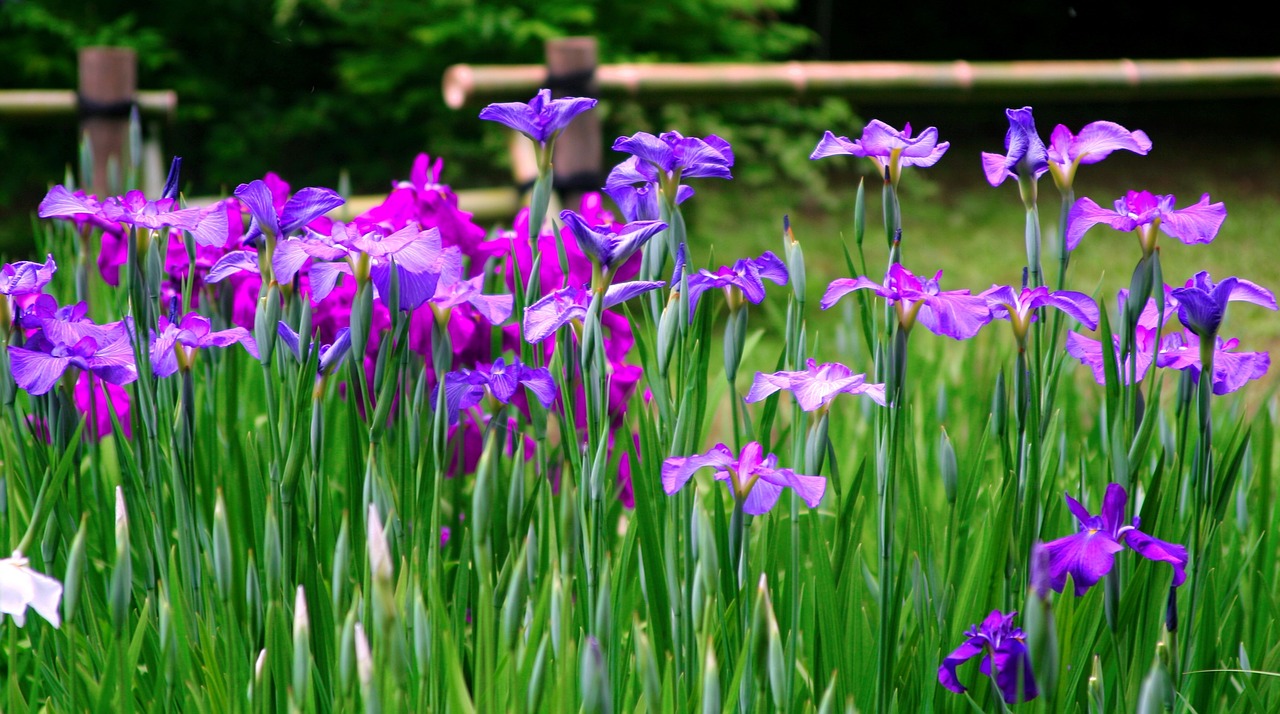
x=515, y=492
x=121, y=593
x=735, y=337
x=361, y=318
x=75, y=571
x=668, y=332
x=253, y=596
x=593, y=677
x=557, y=613
x=222, y=556
x=860, y=213
x=795, y=260
x=1156, y=695
x=538, y=676
x=708, y=551
x=421, y=635
x=364, y=669
x=710, y=680
x=1096, y=692
x=603, y=611
x=1042, y=643
x=273, y=554
x=698, y=598
x=341, y=552
x=651, y=677
x=513, y=605
x=301, y=648
x=346, y=645
x=264, y=323
x=1170, y=611
x=947, y=464
x=999, y=406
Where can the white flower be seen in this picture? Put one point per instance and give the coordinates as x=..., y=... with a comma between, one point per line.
x=21, y=587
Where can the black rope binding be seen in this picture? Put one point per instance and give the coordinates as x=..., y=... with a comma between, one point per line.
x=93, y=109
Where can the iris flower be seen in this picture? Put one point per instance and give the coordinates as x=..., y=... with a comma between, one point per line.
x=754, y=479
x=635, y=190
x=889, y=148
x=1202, y=303
x=21, y=587
x=1089, y=554
x=1094, y=143
x=952, y=313
x=541, y=118
x=544, y=317
x=465, y=388
x=452, y=290
x=331, y=355
x=667, y=158
x=174, y=346
x=1004, y=654
x=1025, y=154
x=1144, y=212
x=816, y=385
x=1089, y=352
x=1231, y=370
x=744, y=279
x=25, y=277
x=608, y=247
x=1019, y=307
x=302, y=208
x=67, y=339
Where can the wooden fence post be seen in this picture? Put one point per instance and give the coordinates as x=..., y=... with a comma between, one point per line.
x=571, y=72
x=108, y=85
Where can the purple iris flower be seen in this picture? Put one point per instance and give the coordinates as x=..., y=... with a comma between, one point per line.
x=1202, y=303
x=25, y=277
x=134, y=209
x=744, y=279
x=302, y=208
x=452, y=290
x=465, y=388
x=1094, y=143
x=1231, y=370
x=816, y=385
x=669, y=157
x=544, y=317
x=1004, y=649
x=889, y=148
x=1025, y=154
x=1089, y=554
x=1144, y=212
x=635, y=190
x=1089, y=352
x=67, y=339
x=606, y=247
x=953, y=313
x=1019, y=307
x=174, y=346
x=754, y=479
x=331, y=355
x=79, y=207
x=541, y=118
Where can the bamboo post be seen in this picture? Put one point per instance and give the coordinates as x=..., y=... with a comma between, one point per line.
x=571, y=72
x=108, y=85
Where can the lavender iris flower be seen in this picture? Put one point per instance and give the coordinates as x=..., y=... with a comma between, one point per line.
x=1089, y=554
x=541, y=118
x=1094, y=143
x=1202, y=303
x=544, y=317
x=1004, y=654
x=465, y=388
x=606, y=247
x=1144, y=212
x=331, y=355
x=754, y=479
x=67, y=339
x=816, y=385
x=1019, y=307
x=953, y=313
x=636, y=190
x=1089, y=352
x=1231, y=370
x=452, y=290
x=302, y=208
x=208, y=226
x=889, y=148
x=744, y=279
x=1025, y=154
x=174, y=346
x=669, y=157
x=25, y=277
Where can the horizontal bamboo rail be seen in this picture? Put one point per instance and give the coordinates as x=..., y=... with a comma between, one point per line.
x=476, y=85
x=53, y=102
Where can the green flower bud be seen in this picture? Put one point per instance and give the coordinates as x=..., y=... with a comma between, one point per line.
x=538, y=676
x=341, y=553
x=710, y=681
x=273, y=554
x=222, y=555
x=593, y=678
x=301, y=648
x=75, y=571
x=253, y=596
x=947, y=464
x=735, y=338
x=421, y=635
x=121, y=593
x=346, y=645
x=651, y=677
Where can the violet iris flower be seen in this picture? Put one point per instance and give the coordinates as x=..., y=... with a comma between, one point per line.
x=1094, y=143
x=67, y=339
x=1004, y=649
x=635, y=190
x=1144, y=212
x=465, y=388
x=744, y=279
x=1025, y=154
x=331, y=355
x=302, y=208
x=607, y=247
x=133, y=208
x=1231, y=370
x=754, y=479
x=1202, y=303
x=816, y=385
x=889, y=148
x=174, y=346
x=952, y=313
x=1019, y=307
x=1089, y=554
x=669, y=157
x=544, y=317
x=541, y=118
x=25, y=277
x=1089, y=352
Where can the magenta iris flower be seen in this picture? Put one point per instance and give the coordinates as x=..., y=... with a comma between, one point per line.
x=452, y=290
x=541, y=118
x=889, y=148
x=952, y=313
x=1202, y=303
x=1231, y=370
x=465, y=388
x=1019, y=307
x=1094, y=143
x=25, y=277
x=1089, y=554
x=300, y=209
x=1004, y=656
x=67, y=339
x=544, y=317
x=754, y=479
x=1089, y=352
x=670, y=157
x=1025, y=155
x=174, y=346
x=1144, y=212
x=605, y=246
x=104, y=398
x=744, y=279
x=816, y=385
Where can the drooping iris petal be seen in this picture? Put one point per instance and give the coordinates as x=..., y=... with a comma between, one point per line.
x=677, y=470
